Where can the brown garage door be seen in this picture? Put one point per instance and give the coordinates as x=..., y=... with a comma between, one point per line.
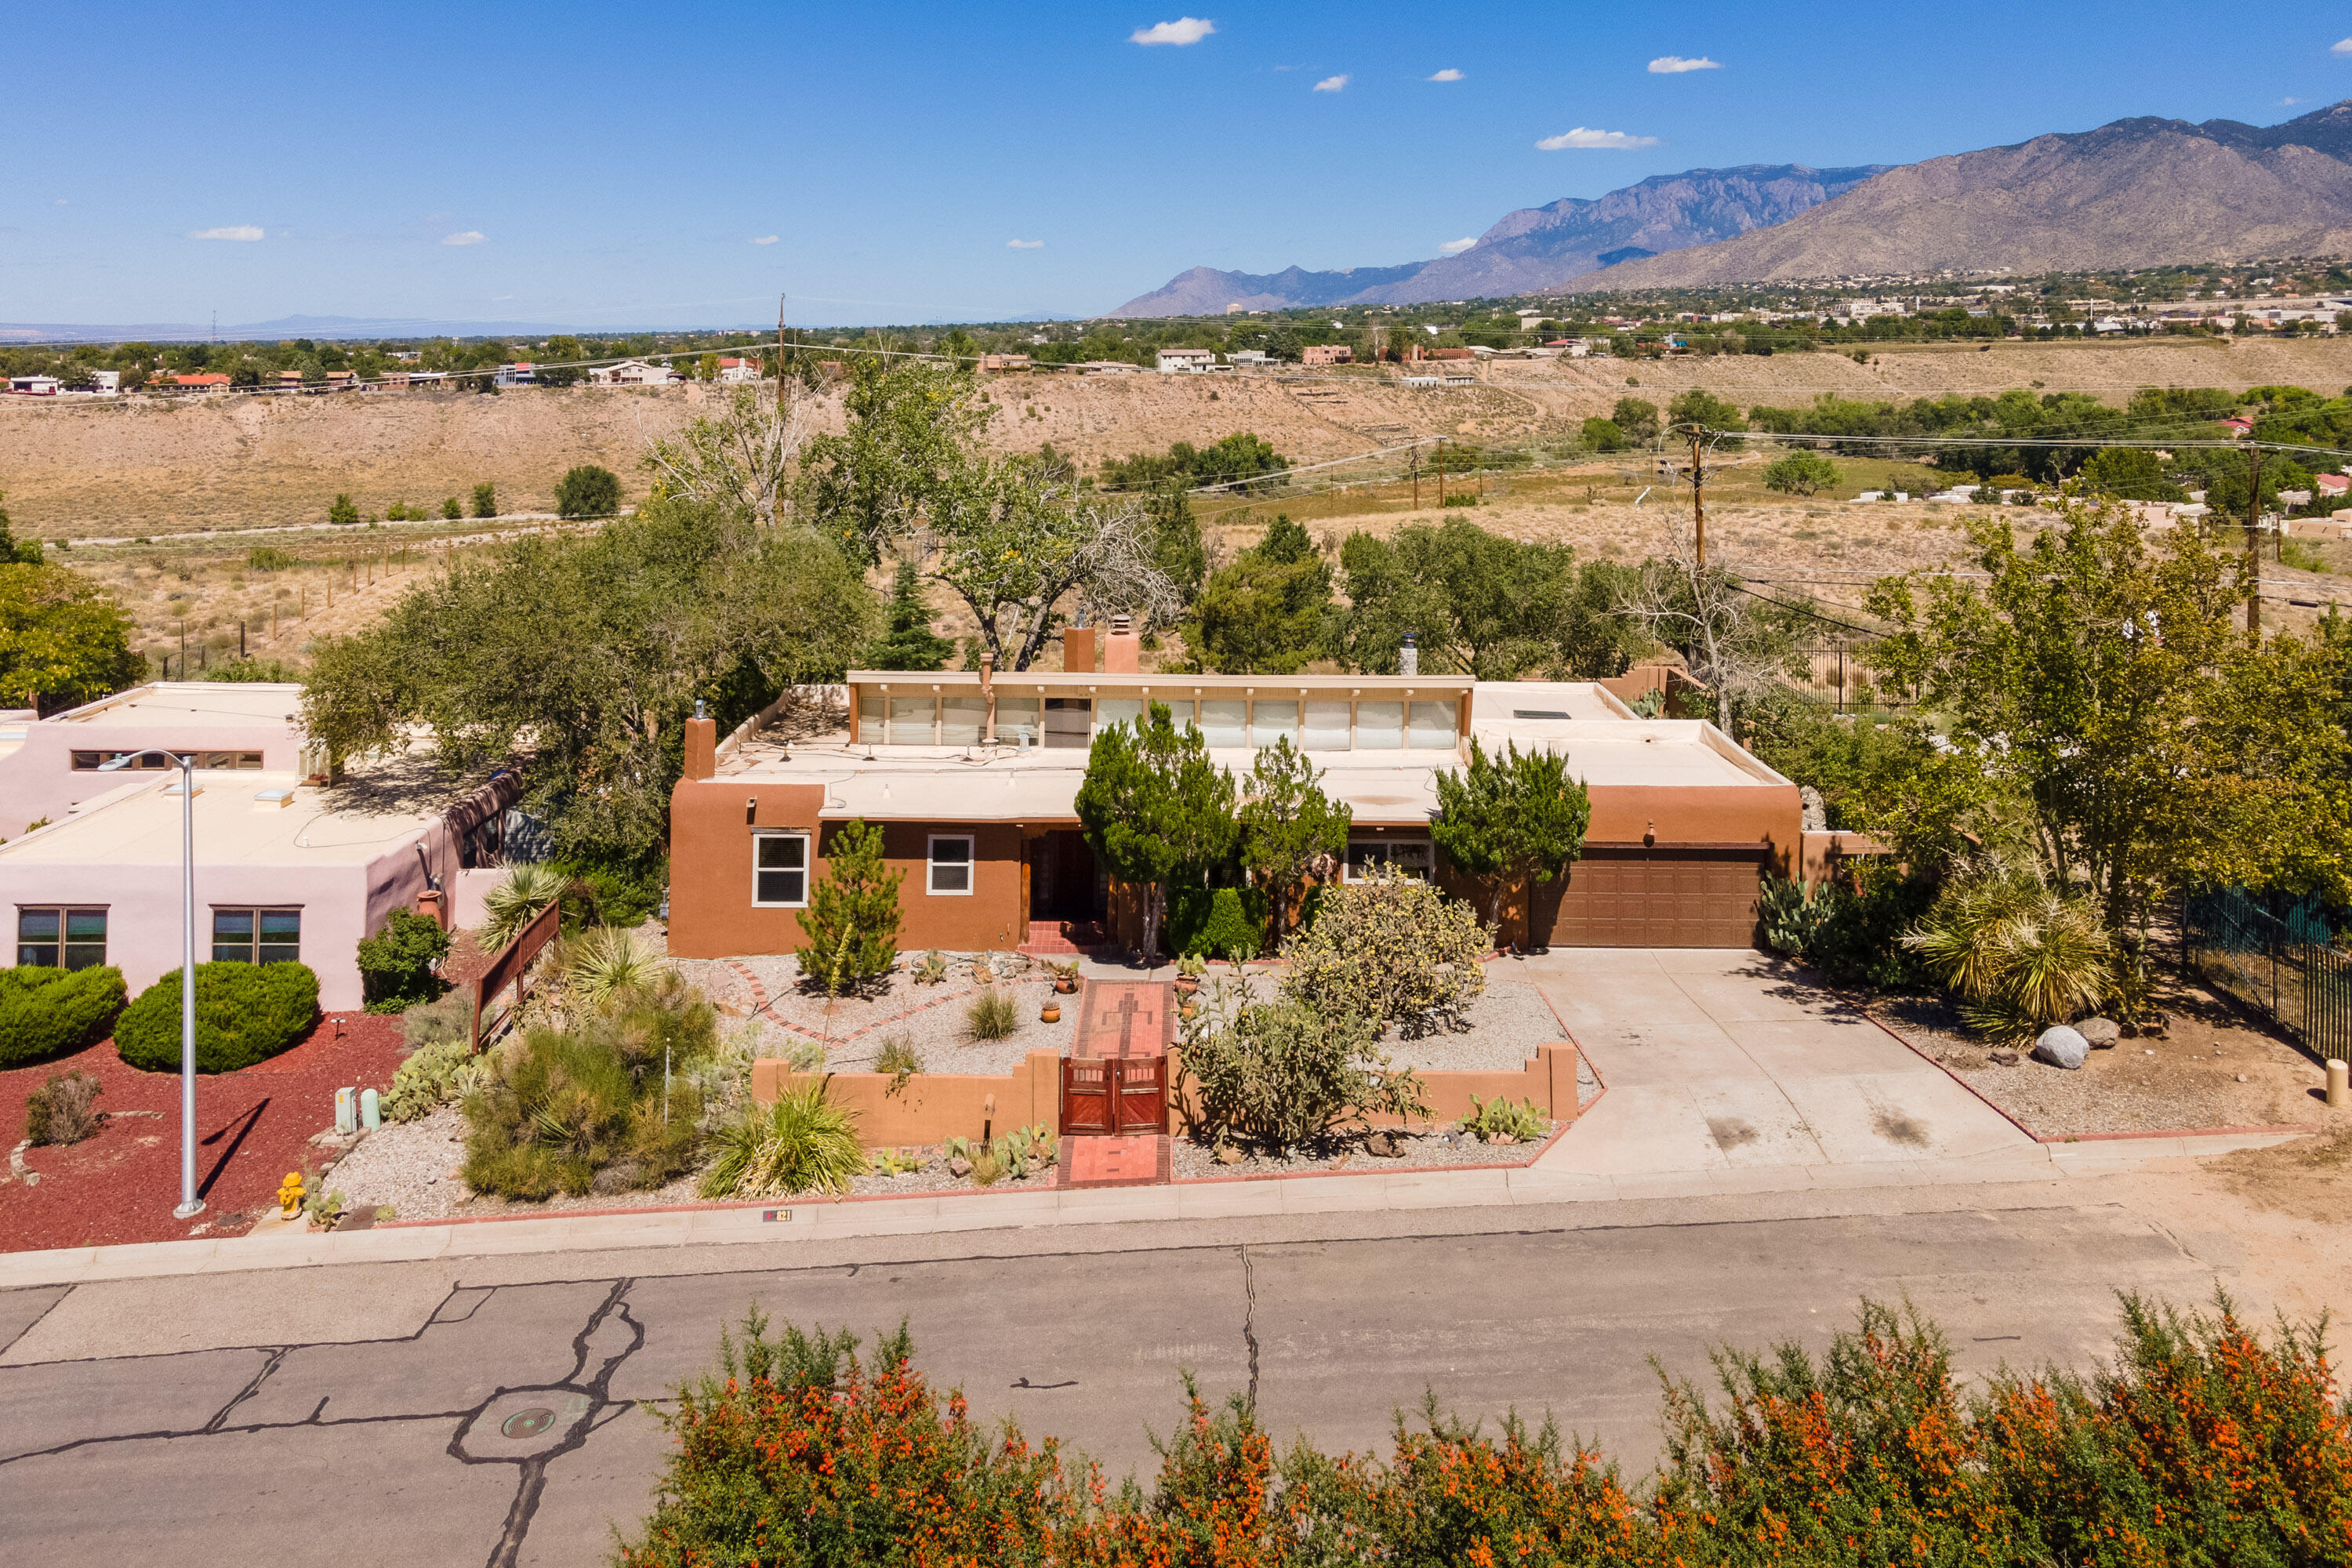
x=1661, y=897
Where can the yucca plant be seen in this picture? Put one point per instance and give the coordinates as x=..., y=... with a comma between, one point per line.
x=515, y=901
x=2020, y=956
x=993, y=1015
x=604, y=964
x=802, y=1141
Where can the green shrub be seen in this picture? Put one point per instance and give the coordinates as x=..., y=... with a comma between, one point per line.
x=852, y=919
x=601, y=966
x=588, y=491
x=1283, y=1073
x=64, y=1110
x=1800, y=473
x=399, y=964
x=596, y=895
x=45, y=1012
x=576, y=1112
x=993, y=1015
x=515, y=900
x=1393, y=949
x=268, y=558
x=1216, y=922
x=2018, y=956
x=1854, y=935
x=1502, y=1117
x=451, y=1017
x=245, y=1013
x=804, y=1140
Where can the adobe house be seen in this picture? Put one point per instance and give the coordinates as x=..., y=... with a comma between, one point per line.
x=972, y=777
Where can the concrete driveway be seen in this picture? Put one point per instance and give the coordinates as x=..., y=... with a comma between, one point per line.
x=1731, y=1062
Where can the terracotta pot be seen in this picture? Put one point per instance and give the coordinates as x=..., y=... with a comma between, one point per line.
x=1051, y=1013
x=1187, y=983
x=1066, y=986
x=1188, y=1010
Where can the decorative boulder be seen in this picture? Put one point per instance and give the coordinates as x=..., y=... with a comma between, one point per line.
x=2062, y=1047
x=2102, y=1033
x=1816, y=811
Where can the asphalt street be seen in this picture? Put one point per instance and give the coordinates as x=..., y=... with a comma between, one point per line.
x=512, y=1420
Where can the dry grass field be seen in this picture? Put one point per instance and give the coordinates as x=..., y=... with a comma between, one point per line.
x=188, y=482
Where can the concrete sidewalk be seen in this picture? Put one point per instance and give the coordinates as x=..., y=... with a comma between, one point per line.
x=1730, y=1063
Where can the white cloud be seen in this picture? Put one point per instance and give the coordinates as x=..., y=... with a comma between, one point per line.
x=471, y=237
x=1331, y=84
x=243, y=231
x=1183, y=30
x=1448, y=73
x=2340, y=46
x=1456, y=246
x=2289, y=102
x=59, y=202
x=1024, y=244
x=1580, y=137
x=764, y=239
x=1675, y=64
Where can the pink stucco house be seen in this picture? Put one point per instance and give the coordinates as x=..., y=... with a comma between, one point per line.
x=47, y=766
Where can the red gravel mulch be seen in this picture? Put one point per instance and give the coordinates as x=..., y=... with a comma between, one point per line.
x=252, y=1127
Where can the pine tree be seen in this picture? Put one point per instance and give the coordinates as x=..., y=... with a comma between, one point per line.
x=1155, y=809
x=908, y=641
x=1288, y=825
x=1516, y=818
x=852, y=920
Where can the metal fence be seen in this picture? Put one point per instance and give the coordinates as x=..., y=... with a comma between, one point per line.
x=1834, y=673
x=2278, y=956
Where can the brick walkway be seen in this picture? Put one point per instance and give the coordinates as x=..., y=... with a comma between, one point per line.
x=1125, y=1019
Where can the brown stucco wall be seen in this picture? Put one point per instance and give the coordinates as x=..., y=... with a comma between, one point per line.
x=710, y=909
x=1702, y=814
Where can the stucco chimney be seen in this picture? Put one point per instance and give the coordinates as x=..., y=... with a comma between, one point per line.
x=988, y=694
x=1122, y=650
x=1079, y=650
x=1408, y=657
x=701, y=745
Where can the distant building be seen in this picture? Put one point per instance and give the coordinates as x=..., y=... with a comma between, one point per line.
x=2331, y=485
x=33, y=385
x=341, y=380
x=290, y=379
x=630, y=373
x=1107, y=367
x=106, y=384
x=739, y=372
x=1183, y=362
x=997, y=364
x=1328, y=354
x=209, y=382
x=518, y=373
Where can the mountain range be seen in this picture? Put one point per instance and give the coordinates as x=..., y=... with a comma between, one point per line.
x=2142, y=192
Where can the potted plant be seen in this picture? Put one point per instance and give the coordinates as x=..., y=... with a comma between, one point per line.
x=1189, y=970
x=1065, y=977
x=1051, y=1013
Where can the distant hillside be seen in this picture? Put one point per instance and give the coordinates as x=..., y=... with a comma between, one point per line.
x=1533, y=249
x=2137, y=192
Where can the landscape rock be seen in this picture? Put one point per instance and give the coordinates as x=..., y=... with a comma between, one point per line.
x=621, y=1176
x=1227, y=1154
x=2101, y=1032
x=2062, y=1047
x=1817, y=812
x=2002, y=1059
x=958, y=1166
x=1383, y=1146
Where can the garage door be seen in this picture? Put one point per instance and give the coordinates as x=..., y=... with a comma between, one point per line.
x=1658, y=897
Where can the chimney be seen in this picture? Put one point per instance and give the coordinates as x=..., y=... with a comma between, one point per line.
x=1408, y=657
x=988, y=694
x=1078, y=650
x=1122, y=650
x=701, y=743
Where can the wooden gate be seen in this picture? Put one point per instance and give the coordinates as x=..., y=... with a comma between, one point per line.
x=1114, y=1096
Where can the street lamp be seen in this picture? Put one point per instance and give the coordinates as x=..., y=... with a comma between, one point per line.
x=191, y=1206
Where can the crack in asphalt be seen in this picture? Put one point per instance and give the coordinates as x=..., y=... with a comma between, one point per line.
x=1249, y=1321
x=253, y=1387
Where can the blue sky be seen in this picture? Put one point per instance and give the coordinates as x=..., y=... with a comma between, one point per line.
x=598, y=164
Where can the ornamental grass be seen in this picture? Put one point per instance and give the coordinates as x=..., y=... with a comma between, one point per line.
x=2201, y=1442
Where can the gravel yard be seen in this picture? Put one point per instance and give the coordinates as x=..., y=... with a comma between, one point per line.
x=1437, y=1147
x=2212, y=1067
x=854, y=1029
x=1509, y=1019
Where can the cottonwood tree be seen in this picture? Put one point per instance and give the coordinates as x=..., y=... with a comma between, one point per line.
x=1512, y=820
x=1290, y=830
x=1015, y=538
x=910, y=448
x=583, y=654
x=743, y=457
x=62, y=641
x=1267, y=613
x=1727, y=638
x=2105, y=678
x=1482, y=605
x=1155, y=809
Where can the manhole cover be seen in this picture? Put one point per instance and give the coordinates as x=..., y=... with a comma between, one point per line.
x=528, y=1423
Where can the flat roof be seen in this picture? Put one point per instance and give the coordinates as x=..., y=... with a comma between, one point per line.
x=249, y=818
x=180, y=704
x=1032, y=680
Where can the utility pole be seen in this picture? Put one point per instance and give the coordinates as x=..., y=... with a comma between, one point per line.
x=780, y=358
x=2254, y=540
x=1416, y=477
x=1698, y=497
x=1441, y=473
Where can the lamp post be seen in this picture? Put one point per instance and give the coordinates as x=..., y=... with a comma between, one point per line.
x=191, y=1206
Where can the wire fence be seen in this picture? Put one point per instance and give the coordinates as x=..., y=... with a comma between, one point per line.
x=2277, y=956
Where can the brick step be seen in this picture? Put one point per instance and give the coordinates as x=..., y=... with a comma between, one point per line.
x=1144, y=1160
x=1060, y=939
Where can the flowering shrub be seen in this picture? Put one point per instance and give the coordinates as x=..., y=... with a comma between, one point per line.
x=2201, y=1444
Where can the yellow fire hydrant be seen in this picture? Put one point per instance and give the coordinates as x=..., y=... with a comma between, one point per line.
x=290, y=1195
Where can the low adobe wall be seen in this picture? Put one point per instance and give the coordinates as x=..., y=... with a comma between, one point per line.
x=934, y=1107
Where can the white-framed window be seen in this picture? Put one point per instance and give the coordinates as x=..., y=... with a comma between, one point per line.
x=780, y=867
x=1411, y=855
x=948, y=873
